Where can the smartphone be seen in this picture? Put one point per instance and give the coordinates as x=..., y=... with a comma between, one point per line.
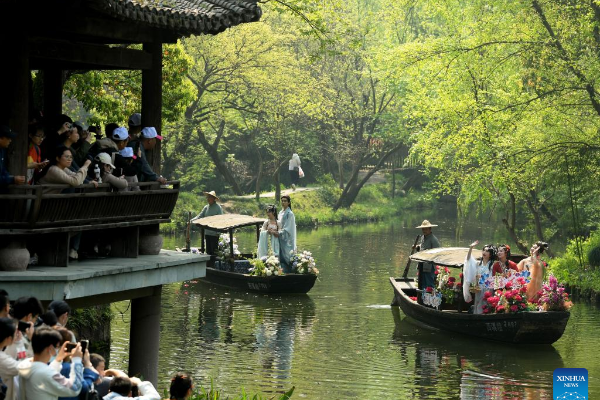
x=84, y=345
x=23, y=326
x=70, y=347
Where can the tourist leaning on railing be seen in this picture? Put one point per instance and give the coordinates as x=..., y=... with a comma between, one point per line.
x=147, y=141
x=106, y=172
x=35, y=164
x=58, y=171
x=6, y=136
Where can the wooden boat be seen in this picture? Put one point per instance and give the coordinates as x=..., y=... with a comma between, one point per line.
x=235, y=273
x=532, y=327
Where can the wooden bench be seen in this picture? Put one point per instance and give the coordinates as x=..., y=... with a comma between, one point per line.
x=45, y=223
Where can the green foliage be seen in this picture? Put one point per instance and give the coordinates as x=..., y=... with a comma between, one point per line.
x=112, y=96
x=594, y=256
x=187, y=202
x=329, y=191
x=568, y=270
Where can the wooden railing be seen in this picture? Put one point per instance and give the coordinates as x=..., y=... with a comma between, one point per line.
x=28, y=207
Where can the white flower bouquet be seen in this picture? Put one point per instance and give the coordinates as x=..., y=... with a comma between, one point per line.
x=303, y=263
x=266, y=266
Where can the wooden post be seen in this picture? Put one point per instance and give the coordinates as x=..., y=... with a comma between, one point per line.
x=231, y=243
x=257, y=233
x=202, y=248
x=15, y=102
x=53, y=92
x=144, y=336
x=152, y=98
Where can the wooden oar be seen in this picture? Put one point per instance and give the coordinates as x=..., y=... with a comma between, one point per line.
x=405, y=274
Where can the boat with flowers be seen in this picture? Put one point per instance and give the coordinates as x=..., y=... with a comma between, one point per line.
x=507, y=317
x=234, y=269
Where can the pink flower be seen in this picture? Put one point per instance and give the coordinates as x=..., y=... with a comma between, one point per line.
x=452, y=279
x=446, y=270
x=500, y=309
x=487, y=295
x=486, y=310
x=508, y=285
x=429, y=289
x=514, y=308
x=450, y=284
x=518, y=298
x=459, y=285
x=460, y=275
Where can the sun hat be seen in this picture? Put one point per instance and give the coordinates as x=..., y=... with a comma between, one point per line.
x=104, y=158
x=425, y=224
x=149, y=132
x=211, y=193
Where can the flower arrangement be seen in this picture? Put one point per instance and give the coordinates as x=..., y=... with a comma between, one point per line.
x=446, y=284
x=223, y=249
x=303, y=263
x=553, y=297
x=506, y=301
x=265, y=266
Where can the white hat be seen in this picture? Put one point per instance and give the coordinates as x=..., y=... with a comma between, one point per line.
x=149, y=132
x=120, y=133
x=127, y=152
x=104, y=158
x=426, y=224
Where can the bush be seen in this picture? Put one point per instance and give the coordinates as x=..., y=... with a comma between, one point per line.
x=328, y=191
x=568, y=270
x=594, y=256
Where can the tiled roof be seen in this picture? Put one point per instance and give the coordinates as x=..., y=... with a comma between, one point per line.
x=185, y=17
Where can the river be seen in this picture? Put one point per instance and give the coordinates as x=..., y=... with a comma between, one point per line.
x=343, y=340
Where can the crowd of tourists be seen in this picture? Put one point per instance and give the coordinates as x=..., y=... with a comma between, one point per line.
x=62, y=152
x=40, y=359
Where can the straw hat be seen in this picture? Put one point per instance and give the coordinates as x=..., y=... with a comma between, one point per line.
x=425, y=224
x=211, y=193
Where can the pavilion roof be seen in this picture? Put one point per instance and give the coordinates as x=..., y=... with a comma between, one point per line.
x=185, y=17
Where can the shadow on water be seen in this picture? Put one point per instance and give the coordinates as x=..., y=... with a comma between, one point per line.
x=480, y=368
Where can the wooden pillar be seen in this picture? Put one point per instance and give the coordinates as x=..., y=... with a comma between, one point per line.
x=53, y=92
x=152, y=98
x=144, y=336
x=14, y=104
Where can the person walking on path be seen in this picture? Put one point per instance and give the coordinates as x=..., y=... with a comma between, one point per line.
x=294, y=167
x=212, y=208
x=287, y=234
x=426, y=269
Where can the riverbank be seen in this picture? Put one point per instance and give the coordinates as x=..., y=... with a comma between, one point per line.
x=311, y=207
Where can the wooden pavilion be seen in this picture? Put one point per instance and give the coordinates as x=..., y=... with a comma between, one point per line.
x=54, y=36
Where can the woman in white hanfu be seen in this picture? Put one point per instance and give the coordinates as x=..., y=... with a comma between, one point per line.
x=268, y=234
x=474, y=270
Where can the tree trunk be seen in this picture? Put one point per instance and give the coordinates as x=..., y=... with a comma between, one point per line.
x=353, y=187
x=539, y=231
x=277, y=185
x=259, y=175
x=221, y=166
x=393, y=180
x=510, y=225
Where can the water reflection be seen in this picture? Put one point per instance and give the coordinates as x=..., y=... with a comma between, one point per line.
x=479, y=368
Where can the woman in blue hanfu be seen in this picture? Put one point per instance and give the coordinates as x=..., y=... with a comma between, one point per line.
x=268, y=234
x=473, y=272
x=286, y=234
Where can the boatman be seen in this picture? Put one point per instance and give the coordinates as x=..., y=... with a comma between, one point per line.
x=212, y=208
x=426, y=269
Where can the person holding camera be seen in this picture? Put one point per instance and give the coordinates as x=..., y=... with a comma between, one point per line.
x=39, y=380
x=124, y=388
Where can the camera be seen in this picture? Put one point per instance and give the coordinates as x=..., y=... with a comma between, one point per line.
x=84, y=345
x=23, y=326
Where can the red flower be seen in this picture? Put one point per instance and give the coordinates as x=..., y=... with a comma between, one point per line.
x=486, y=310
x=460, y=275
x=459, y=285
x=518, y=298
x=446, y=270
x=452, y=279
x=514, y=308
x=413, y=298
x=487, y=295
x=508, y=285
x=429, y=289
x=500, y=309
x=523, y=289
x=450, y=284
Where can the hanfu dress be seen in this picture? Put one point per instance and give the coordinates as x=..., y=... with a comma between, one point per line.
x=472, y=271
x=287, y=238
x=265, y=240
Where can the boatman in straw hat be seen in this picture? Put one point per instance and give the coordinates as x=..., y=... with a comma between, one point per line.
x=428, y=241
x=212, y=208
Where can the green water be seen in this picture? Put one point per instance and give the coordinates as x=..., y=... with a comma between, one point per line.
x=343, y=340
